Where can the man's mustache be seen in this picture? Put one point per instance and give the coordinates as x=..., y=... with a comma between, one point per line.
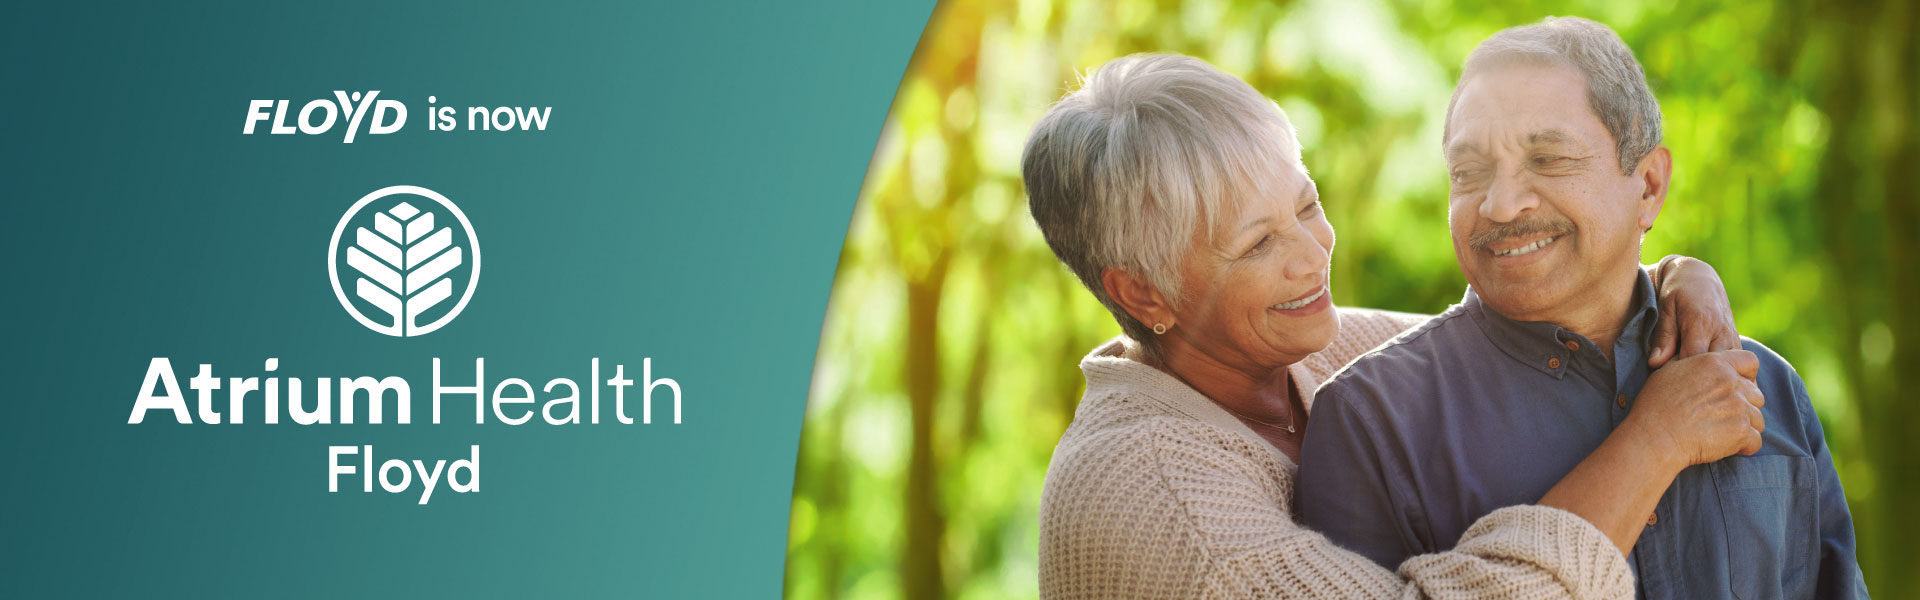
x=1513, y=229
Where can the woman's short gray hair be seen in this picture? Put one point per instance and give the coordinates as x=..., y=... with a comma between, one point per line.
x=1149, y=152
x=1616, y=85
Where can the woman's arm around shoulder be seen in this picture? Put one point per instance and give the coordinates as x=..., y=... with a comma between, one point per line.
x=1179, y=508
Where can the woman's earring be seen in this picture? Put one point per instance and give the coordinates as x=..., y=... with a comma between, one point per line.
x=1159, y=328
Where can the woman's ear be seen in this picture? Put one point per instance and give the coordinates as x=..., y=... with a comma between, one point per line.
x=1655, y=173
x=1139, y=298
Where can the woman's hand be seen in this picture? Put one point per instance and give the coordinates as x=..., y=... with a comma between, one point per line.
x=1701, y=408
x=1695, y=316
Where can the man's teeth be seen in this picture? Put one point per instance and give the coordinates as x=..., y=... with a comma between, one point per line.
x=1303, y=301
x=1529, y=248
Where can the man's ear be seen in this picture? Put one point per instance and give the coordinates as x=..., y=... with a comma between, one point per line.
x=1139, y=298
x=1655, y=173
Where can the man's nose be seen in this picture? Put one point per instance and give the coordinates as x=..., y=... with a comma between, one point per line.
x=1509, y=196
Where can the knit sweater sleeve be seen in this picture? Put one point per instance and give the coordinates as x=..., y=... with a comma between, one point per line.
x=1193, y=511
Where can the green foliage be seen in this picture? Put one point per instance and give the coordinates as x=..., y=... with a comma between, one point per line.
x=947, y=366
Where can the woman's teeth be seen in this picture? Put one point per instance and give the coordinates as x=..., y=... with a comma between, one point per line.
x=1527, y=249
x=1303, y=301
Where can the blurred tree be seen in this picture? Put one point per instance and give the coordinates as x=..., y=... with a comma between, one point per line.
x=947, y=366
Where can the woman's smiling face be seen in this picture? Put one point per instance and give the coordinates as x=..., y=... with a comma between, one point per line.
x=1256, y=293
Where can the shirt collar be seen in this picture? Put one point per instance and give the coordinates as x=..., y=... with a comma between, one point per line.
x=1544, y=346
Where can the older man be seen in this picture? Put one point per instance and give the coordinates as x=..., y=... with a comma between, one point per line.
x=1553, y=146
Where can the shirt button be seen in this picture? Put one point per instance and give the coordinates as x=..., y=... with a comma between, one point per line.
x=1620, y=399
x=1553, y=362
x=1573, y=345
x=1652, y=518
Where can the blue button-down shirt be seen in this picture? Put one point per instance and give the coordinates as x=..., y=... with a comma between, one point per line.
x=1472, y=411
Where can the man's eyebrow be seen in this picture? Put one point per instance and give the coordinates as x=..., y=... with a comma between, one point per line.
x=1460, y=149
x=1546, y=137
x=1309, y=192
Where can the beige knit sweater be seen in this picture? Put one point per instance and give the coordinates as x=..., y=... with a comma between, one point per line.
x=1156, y=492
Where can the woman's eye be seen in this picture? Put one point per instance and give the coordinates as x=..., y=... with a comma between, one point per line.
x=1310, y=211
x=1260, y=245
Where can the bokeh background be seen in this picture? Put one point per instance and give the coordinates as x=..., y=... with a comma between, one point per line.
x=947, y=365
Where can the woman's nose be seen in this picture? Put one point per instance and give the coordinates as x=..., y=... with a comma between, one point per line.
x=1309, y=261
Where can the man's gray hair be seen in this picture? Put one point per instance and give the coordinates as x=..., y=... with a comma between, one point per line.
x=1150, y=152
x=1616, y=85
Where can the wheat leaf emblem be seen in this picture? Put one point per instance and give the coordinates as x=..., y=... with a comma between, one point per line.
x=403, y=261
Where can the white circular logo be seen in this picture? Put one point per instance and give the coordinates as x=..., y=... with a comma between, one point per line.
x=404, y=262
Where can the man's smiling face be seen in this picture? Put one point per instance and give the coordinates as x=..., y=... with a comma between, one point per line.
x=1539, y=210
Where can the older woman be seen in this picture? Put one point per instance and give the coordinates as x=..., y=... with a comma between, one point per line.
x=1176, y=194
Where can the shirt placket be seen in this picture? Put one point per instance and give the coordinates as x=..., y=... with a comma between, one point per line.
x=1618, y=383
x=1655, y=554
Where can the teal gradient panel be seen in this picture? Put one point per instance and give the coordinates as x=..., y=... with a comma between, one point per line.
x=687, y=203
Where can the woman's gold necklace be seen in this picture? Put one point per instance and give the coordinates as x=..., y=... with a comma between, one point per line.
x=1288, y=427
